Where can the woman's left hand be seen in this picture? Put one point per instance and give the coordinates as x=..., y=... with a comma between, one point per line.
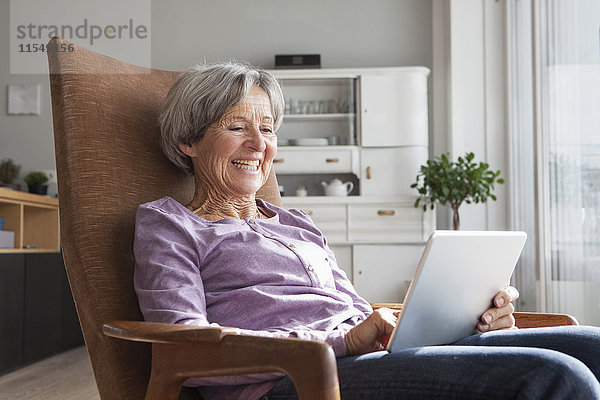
x=501, y=315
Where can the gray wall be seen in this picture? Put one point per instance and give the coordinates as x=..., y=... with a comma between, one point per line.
x=347, y=33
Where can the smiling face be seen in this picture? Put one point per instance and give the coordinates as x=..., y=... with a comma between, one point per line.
x=235, y=156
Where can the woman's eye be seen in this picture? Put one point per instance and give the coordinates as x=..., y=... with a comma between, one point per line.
x=236, y=128
x=267, y=131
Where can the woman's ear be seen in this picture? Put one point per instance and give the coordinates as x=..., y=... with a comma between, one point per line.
x=187, y=149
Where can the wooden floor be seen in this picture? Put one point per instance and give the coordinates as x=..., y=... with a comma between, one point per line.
x=67, y=376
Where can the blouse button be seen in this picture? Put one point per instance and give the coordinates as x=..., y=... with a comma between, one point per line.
x=292, y=245
x=251, y=221
x=310, y=268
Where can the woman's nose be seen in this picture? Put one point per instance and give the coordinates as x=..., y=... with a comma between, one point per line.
x=255, y=140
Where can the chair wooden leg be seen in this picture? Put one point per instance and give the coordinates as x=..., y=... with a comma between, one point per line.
x=314, y=385
x=162, y=389
x=326, y=394
x=164, y=383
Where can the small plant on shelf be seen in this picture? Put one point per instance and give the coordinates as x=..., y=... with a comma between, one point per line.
x=8, y=172
x=448, y=182
x=36, y=182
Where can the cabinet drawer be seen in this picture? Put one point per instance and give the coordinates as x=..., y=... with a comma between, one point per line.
x=330, y=219
x=315, y=161
x=384, y=223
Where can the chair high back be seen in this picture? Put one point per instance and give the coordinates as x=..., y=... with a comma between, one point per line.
x=108, y=162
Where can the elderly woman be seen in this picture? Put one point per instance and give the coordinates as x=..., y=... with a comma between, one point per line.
x=227, y=258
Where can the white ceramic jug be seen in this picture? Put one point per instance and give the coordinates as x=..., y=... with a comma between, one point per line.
x=337, y=188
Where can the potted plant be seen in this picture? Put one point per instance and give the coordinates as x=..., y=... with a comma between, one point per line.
x=8, y=172
x=36, y=182
x=449, y=182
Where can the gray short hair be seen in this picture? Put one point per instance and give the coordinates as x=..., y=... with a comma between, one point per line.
x=201, y=95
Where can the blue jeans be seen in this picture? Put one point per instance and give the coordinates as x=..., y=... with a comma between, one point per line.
x=541, y=363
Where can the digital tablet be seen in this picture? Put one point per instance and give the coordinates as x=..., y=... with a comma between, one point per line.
x=458, y=276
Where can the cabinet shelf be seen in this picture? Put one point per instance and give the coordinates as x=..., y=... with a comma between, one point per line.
x=403, y=200
x=28, y=251
x=318, y=117
x=33, y=219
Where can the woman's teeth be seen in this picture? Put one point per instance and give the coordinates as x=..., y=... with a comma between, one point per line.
x=248, y=165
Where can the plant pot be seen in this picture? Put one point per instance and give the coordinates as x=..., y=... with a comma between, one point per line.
x=36, y=188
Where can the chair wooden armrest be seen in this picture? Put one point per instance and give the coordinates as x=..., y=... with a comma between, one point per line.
x=522, y=319
x=180, y=352
x=393, y=306
x=540, y=320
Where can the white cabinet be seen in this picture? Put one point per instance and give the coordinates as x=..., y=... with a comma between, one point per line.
x=393, y=108
x=390, y=171
x=382, y=273
x=373, y=127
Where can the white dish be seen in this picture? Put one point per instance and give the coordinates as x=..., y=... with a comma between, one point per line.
x=309, y=142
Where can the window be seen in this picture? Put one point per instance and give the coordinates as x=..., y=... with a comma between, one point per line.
x=555, y=147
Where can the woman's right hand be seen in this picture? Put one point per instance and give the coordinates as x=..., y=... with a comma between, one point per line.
x=372, y=334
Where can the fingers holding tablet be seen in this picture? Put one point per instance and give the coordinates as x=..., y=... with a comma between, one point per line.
x=500, y=316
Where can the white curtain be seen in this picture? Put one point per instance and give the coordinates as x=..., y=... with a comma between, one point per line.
x=568, y=34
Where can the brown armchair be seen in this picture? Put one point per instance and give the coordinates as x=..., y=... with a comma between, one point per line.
x=108, y=162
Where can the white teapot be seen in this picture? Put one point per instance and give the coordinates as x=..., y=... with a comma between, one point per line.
x=337, y=188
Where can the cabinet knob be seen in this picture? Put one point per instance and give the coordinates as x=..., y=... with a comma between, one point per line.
x=332, y=160
x=368, y=172
x=278, y=160
x=386, y=212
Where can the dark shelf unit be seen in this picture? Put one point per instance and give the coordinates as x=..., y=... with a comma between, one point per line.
x=37, y=310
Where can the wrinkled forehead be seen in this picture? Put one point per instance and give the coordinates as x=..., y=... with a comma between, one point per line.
x=255, y=107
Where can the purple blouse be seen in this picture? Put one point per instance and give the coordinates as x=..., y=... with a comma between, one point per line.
x=271, y=277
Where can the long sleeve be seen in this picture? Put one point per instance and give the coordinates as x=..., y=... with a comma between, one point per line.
x=166, y=276
x=169, y=285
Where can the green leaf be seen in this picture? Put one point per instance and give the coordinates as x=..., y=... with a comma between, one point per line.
x=444, y=182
